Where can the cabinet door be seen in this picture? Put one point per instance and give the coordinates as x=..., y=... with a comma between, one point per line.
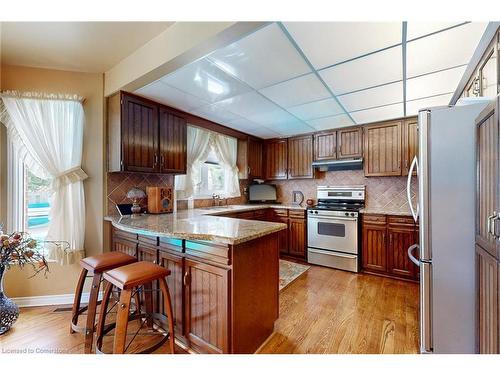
x=300, y=157
x=410, y=143
x=349, y=143
x=325, y=146
x=488, y=75
x=175, y=264
x=283, y=235
x=207, y=307
x=254, y=157
x=139, y=135
x=125, y=246
x=276, y=163
x=297, y=237
x=382, y=150
x=173, y=143
x=374, y=248
x=400, y=239
x=487, y=299
x=487, y=180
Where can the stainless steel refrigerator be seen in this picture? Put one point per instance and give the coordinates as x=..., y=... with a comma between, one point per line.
x=445, y=211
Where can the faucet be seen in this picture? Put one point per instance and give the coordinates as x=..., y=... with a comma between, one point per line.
x=215, y=198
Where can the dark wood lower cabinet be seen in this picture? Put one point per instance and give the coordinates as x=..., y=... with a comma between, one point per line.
x=225, y=298
x=385, y=243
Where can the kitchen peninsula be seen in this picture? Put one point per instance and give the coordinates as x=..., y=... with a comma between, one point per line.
x=224, y=274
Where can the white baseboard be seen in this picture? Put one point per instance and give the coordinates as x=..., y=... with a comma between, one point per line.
x=53, y=299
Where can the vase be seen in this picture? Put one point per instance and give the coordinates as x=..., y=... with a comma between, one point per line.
x=9, y=312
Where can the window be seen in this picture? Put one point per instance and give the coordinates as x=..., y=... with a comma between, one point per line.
x=37, y=205
x=212, y=178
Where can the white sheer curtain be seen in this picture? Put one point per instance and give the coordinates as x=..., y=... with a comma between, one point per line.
x=49, y=130
x=197, y=150
x=226, y=149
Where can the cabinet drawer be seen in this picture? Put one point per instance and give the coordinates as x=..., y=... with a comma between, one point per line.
x=245, y=215
x=407, y=220
x=171, y=244
x=125, y=235
x=281, y=212
x=299, y=214
x=209, y=251
x=148, y=240
x=374, y=219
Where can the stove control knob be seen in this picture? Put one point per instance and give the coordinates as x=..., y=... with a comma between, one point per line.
x=346, y=214
x=352, y=214
x=315, y=212
x=311, y=211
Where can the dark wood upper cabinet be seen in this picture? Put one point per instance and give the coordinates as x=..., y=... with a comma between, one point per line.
x=300, y=157
x=276, y=159
x=410, y=143
x=382, y=149
x=325, y=146
x=250, y=158
x=173, y=142
x=144, y=136
x=349, y=143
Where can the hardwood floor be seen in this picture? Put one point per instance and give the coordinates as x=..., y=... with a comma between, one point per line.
x=323, y=311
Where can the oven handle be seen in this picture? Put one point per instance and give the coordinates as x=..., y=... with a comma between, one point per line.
x=333, y=218
x=327, y=252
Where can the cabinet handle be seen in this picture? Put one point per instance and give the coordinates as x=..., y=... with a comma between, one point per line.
x=162, y=160
x=491, y=224
x=155, y=161
x=248, y=170
x=186, y=278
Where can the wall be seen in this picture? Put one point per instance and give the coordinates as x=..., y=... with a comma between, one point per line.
x=62, y=279
x=388, y=193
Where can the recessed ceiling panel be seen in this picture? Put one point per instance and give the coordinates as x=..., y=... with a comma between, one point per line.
x=372, y=70
x=413, y=106
x=292, y=128
x=297, y=91
x=443, y=50
x=418, y=29
x=258, y=59
x=215, y=113
x=378, y=114
x=331, y=122
x=243, y=124
x=248, y=104
x=271, y=118
x=438, y=83
x=327, y=43
x=375, y=97
x=206, y=81
x=265, y=133
x=321, y=108
x=171, y=96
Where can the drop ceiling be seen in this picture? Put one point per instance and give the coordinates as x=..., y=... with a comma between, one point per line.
x=299, y=77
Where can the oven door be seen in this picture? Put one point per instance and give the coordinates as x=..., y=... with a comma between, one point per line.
x=332, y=233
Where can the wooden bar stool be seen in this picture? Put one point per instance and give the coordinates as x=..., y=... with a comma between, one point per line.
x=130, y=279
x=97, y=265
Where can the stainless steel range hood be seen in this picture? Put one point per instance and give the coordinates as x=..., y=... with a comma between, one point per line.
x=338, y=165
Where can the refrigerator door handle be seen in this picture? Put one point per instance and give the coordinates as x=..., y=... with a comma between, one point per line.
x=414, y=164
x=411, y=256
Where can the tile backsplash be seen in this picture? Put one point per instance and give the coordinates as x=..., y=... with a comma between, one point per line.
x=388, y=193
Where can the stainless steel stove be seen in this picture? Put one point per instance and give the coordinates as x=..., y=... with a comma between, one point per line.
x=333, y=227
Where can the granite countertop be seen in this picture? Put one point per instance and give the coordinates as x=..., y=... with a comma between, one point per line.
x=201, y=224
x=385, y=211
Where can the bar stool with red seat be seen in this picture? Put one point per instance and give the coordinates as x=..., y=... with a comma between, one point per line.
x=129, y=280
x=97, y=265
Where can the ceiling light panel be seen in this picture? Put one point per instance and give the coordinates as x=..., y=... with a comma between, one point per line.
x=243, y=124
x=171, y=96
x=331, y=122
x=418, y=29
x=292, y=128
x=247, y=104
x=300, y=90
x=443, y=50
x=387, y=112
x=327, y=43
x=375, y=97
x=372, y=70
x=265, y=133
x=321, y=108
x=214, y=113
x=413, y=106
x=271, y=118
x=206, y=81
x=258, y=59
x=434, y=84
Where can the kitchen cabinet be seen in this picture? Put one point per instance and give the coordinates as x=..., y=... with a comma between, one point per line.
x=487, y=230
x=325, y=145
x=410, y=143
x=350, y=144
x=300, y=157
x=212, y=286
x=382, y=149
x=207, y=310
x=250, y=158
x=385, y=242
x=144, y=136
x=173, y=143
x=276, y=159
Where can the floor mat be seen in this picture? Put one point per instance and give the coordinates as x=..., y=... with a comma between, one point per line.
x=289, y=271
